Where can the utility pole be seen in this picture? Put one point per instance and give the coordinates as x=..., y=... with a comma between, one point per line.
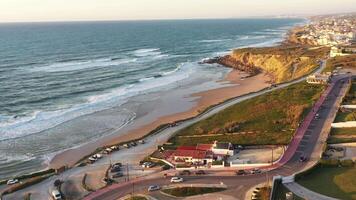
x=127, y=170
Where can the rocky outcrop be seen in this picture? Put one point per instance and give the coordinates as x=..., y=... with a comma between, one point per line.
x=282, y=63
x=231, y=62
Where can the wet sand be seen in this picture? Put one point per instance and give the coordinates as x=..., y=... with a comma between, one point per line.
x=236, y=85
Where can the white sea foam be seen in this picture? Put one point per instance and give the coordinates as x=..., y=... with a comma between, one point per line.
x=214, y=41
x=42, y=120
x=147, y=52
x=80, y=65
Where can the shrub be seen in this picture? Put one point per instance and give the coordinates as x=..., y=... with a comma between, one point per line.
x=347, y=163
x=329, y=162
x=217, y=162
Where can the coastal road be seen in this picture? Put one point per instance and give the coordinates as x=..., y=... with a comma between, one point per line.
x=141, y=150
x=310, y=145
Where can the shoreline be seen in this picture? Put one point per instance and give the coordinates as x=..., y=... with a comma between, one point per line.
x=237, y=86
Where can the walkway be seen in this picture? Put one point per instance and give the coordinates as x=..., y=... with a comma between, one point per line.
x=306, y=193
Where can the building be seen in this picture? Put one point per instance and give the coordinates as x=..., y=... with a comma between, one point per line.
x=196, y=157
x=201, y=154
x=223, y=149
x=318, y=79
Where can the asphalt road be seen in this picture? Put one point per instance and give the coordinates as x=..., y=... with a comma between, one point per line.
x=309, y=146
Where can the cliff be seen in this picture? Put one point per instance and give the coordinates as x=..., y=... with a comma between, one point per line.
x=282, y=63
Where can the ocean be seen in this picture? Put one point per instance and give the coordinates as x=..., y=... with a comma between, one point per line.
x=56, y=76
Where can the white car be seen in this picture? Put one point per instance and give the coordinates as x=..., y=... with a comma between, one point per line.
x=92, y=159
x=176, y=180
x=56, y=195
x=12, y=181
x=98, y=156
x=154, y=188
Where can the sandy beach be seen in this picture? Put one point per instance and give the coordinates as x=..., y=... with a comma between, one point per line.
x=235, y=84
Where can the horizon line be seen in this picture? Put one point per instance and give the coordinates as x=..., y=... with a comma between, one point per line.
x=158, y=19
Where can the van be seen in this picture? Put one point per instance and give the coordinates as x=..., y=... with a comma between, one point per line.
x=56, y=195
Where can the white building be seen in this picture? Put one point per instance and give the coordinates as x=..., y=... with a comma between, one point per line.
x=318, y=78
x=223, y=149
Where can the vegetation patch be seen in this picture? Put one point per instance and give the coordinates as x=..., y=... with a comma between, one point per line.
x=270, y=118
x=191, y=191
x=340, y=61
x=137, y=198
x=337, y=182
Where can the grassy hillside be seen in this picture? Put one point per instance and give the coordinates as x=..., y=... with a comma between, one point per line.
x=341, y=61
x=284, y=62
x=267, y=119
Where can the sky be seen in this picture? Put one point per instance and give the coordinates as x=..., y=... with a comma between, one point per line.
x=89, y=10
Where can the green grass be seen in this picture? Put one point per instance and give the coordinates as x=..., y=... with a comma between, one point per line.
x=345, y=116
x=337, y=182
x=267, y=119
x=338, y=140
x=340, y=61
x=343, y=131
x=191, y=191
x=137, y=198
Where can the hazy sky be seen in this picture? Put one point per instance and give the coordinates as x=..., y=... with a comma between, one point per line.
x=73, y=10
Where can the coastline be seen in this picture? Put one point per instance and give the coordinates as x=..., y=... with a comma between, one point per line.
x=236, y=85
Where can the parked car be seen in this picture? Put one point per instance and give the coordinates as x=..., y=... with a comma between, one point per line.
x=117, y=164
x=56, y=195
x=141, y=141
x=115, y=169
x=241, y=172
x=200, y=172
x=133, y=143
x=126, y=145
x=153, y=188
x=92, y=159
x=256, y=171
x=176, y=180
x=12, y=181
x=114, y=148
x=148, y=165
x=185, y=172
x=302, y=158
x=118, y=175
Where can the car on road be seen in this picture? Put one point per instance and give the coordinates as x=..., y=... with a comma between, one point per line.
x=148, y=165
x=241, y=172
x=256, y=171
x=185, y=172
x=200, y=172
x=118, y=175
x=176, y=180
x=12, y=181
x=152, y=188
x=302, y=158
x=56, y=195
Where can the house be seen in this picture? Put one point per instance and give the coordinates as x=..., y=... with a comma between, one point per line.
x=318, y=78
x=193, y=156
x=223, y=149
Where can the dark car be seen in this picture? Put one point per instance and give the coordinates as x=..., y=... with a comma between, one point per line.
x=241, y=172
x=117, y=165
x=256, y=171
x=118, y=175
x=185, y=172
x=200, y=172
x=302, y=158
x=115, y=169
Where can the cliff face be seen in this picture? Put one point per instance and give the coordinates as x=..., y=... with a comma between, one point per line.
x=283, y=63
